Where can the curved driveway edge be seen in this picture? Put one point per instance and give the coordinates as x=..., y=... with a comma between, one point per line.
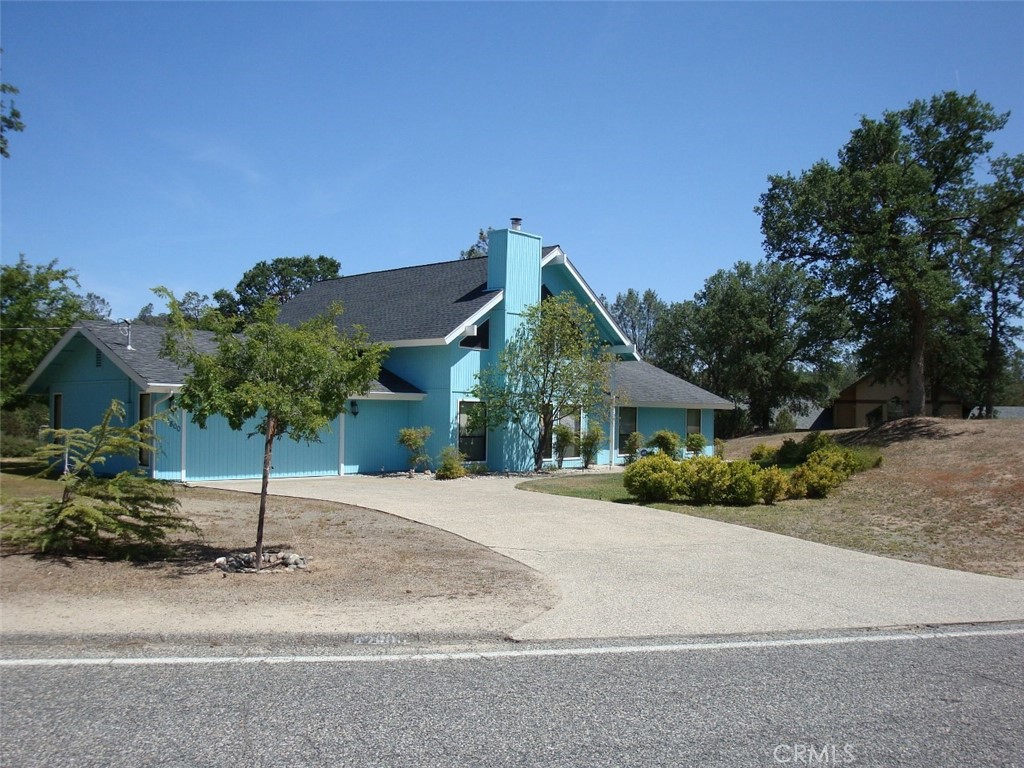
x=635, y=572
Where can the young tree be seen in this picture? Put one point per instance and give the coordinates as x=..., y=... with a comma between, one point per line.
x=96, y=515
x=553, y=367
x=37, y=304
x=276, y=379
x=637, y=315
x=891, y=225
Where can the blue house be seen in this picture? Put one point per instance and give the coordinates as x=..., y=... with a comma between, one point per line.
x=443, y=323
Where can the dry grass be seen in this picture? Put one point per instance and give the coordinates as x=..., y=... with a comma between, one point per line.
x=949, y=493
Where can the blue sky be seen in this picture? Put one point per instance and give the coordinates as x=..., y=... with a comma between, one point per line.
x=181, y=143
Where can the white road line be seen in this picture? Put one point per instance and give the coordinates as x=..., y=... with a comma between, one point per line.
x=510, y=654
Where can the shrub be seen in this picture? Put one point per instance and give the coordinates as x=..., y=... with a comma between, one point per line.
x=19, y=429
x=706, y=480
x=719, y=447
x=633, y=446
x=666, y=441
x=792, y=453
x=784, y=422
x=414, y=439
x=652, y=478
x=773, y=483
x=696, y=443
x=564, y=438
x=590, y=444
x=824, y=471
x=865, y=457
x=450, y=466
x=125, y=516
x=762, y=452
x=744, y=484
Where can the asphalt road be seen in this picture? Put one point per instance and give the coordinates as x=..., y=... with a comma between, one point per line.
x=881, y=698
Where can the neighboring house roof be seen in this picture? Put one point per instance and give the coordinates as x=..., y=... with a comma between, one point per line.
x=430, y=303
x=150, y=371
x=645, y=384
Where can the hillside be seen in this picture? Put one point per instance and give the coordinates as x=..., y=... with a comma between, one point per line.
x=949, y=493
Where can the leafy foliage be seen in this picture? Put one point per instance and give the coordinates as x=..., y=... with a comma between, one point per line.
x=758, y=333
x=278, y=281
x=590, y=444
x=696, y=442
x=450, y=465
x=637, y=315
x=634, y=444
x=553, y=367
x=414, y=440
x=773, y=484
x=10, y=117
x=124, y=515
x=666, y=441
x=37, y=304
x=895, y=226
x=565, y=438
x=477, y=250
x=654, y=478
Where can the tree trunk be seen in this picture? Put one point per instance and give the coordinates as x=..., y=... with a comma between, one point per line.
x=992, y=362
x=268, y=452
x=915, y=378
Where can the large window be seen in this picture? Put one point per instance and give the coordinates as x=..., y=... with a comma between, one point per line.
x=472, y=430
x=627, y=425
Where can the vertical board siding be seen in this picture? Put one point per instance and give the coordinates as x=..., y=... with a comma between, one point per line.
x=220, y=453
x=371, y=438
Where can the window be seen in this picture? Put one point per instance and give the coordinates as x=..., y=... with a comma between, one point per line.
x=145, y=411
x=627, y=425
x=472, y=430
x=58, y=411
x=482, y=339
x=574, y=422
x=692, y=421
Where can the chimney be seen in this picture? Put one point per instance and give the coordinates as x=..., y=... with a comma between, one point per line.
x=517, y=223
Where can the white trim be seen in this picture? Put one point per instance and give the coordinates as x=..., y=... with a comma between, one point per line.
x=416, y=343
x=474, y=319
x=184, y=453
x=391, y=396
x=556, y=257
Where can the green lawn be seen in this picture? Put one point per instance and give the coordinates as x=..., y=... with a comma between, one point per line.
x=606, y=486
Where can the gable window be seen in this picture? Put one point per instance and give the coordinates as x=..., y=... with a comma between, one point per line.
x=482, y=338
x=692, y=421
x=472, y=431
x=627, y=425
x=145, y=411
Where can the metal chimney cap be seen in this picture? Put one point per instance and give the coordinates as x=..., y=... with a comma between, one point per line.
x=517, y=223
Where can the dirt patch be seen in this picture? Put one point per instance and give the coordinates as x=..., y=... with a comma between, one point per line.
x=369, y=572
x=949, y=493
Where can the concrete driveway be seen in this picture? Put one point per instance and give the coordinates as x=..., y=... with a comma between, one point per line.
x=634, y=572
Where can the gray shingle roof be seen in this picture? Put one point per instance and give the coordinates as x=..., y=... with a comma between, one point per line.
x=144, y=356
x=424, y=302
x=645, y=384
